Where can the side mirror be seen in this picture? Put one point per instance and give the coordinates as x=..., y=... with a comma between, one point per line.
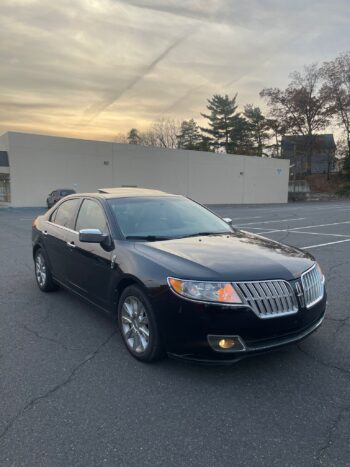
x=228, y=220
x=92, y=236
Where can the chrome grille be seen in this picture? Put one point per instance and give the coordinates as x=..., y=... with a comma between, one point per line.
x=269, y=299
x=313, y=286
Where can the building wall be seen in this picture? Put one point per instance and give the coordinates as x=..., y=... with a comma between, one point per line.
x=4, y=142
x=39, y=164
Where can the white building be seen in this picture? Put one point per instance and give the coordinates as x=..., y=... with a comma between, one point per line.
x=31, y=166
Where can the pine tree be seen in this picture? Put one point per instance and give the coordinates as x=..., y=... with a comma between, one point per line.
x=240, y=138
x=222, y=120
x=190, y=136
x=133, y=136
x=258, y=128
x=204, y=144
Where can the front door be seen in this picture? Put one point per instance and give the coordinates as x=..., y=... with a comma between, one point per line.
x=90, y=270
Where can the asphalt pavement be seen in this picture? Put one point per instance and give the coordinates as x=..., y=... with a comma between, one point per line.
x=71, y=395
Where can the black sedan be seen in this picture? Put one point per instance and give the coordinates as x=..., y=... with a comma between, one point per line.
x=57, y=195
x=180, y=280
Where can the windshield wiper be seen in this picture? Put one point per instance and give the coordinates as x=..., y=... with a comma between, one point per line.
x=148, y=238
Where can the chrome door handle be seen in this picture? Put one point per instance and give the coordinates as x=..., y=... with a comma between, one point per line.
x=44, y=232
x=71, y=244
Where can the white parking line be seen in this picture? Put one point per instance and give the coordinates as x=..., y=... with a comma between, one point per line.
x=318, y=233
x=346, y=207
x=279, y=220
x=305, y=227
x=324, y=244
x=246, y=218
x=252, y=228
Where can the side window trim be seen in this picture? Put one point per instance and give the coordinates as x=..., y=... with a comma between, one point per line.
x=76, y=217
x=80, y=202
x=103, y=210
x=52, y=218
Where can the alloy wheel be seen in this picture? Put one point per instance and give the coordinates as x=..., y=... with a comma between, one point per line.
x=40, y=270
x=135, y=324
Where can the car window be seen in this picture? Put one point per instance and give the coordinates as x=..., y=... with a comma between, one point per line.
x=65, y=213
x=53, y=216
x=67, y=192
x=91, y=216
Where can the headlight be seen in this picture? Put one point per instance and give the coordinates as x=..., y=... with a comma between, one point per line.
x=219, y=292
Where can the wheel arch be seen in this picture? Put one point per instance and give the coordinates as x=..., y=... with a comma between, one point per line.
x=36, y=248
x=122, y=284
x=40, y=246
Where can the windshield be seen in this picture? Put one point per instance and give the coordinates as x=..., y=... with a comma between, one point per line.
x=165, y=217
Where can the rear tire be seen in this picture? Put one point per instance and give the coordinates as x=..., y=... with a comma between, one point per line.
x=42, y=272
x=138, y=325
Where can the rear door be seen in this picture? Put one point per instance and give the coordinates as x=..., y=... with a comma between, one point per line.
x=90, y=270
x=55, y=234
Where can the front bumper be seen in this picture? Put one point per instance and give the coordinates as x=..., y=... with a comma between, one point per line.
x=186, y=327
x=259, y=347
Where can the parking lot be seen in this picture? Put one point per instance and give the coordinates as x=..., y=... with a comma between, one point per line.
x=71, y=395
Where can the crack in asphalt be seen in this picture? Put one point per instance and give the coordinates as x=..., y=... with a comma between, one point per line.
x=50, y=339
x=333, y=427
x=329, y=436
x=55, y=388
x=330, y=271
x=341, y=325
x=337, y=320
x=321, y=362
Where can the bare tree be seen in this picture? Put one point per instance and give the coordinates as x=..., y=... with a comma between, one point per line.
x=162, y=133
x=337, y=87
x=278, y=130
x=303, y=107
x=165, y=132
x=148, y=138
x=121, y=138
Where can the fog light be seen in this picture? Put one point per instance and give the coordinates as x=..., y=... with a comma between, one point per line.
x=226, y=343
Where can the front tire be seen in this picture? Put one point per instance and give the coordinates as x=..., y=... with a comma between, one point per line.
x=138, y=325
x=42, y=272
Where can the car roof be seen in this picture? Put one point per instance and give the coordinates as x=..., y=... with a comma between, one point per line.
x=126, y=192
x=132, y=191
x=64, y=189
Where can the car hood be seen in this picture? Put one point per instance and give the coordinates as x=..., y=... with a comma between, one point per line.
x=235, y=257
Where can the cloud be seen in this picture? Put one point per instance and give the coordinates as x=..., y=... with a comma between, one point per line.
x=95, y=68
x=94, y=110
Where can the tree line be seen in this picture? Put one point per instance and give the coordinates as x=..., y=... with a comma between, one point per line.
x=314, y=99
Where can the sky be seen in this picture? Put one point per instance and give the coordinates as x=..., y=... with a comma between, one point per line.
x=94, y=69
